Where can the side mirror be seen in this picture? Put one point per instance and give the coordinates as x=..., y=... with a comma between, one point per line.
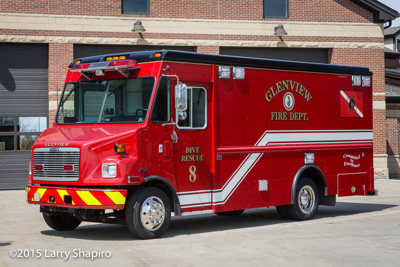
x=182, y=115
x=181, y=97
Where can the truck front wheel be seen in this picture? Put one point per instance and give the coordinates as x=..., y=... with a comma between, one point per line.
x=148, y=213
x=61, y=221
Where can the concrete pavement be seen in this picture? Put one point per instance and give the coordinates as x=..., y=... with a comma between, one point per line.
x=359, y=231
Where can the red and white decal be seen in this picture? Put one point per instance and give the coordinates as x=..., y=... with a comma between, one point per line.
x=270, y=138
x=351, y=104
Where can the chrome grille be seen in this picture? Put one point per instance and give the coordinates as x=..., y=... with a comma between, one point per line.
x=49, y=163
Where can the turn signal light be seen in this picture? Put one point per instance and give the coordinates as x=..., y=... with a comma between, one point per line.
x=119, y=148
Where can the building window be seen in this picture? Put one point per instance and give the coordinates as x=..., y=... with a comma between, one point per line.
x=20, y=133
x=275, y=8
x=135, y=6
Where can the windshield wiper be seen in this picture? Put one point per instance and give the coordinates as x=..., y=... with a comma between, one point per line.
x=70, y=92
x=119, y=86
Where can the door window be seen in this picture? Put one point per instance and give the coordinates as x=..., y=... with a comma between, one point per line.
x=197, y=110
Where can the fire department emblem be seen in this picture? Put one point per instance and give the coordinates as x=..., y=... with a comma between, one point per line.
x=351, y=104
x=288, y=101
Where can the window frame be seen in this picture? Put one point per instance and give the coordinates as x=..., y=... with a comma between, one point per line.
x=287, y=11
x=141, y=13
x=191, y=111
x=16, y=134
x=155, y=99
x=80, y=104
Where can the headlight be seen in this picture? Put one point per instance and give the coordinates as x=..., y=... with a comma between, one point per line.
x=109, y=170
x=30, y=167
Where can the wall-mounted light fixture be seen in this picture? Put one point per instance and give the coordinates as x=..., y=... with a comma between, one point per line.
x=280, y=31
x=138, y=27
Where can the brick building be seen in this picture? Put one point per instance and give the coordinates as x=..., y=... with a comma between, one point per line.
x=38, y=40
x=392, y=84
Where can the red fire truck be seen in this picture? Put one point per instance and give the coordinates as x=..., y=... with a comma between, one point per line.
x=140, y=135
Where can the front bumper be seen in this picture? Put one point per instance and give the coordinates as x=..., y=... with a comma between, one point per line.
x=81, y=198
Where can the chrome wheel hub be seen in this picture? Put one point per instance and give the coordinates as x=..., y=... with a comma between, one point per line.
x=306, y=199
x=152, y=213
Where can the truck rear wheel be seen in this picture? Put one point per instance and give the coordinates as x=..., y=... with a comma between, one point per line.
x=148, y=213
x=61, y=221
x=306, y=200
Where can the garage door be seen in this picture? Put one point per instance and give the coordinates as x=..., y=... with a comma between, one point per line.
x=94, y=50
x=318, y=55
x=23, y=108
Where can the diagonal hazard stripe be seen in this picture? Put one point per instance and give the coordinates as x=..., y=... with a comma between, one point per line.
x=41, y=191
x=88, y=198
x=116, y=197
x=355, y=107
x=27, y=193
x=102, y=197
x=76, y=198
x=63, y=193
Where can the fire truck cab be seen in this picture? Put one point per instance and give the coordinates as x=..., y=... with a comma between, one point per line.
x=140, y=135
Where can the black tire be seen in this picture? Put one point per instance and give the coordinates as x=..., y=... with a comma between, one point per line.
x=142, y=223
x=61, y=221
x=230, y=213
x=306, y=200
x=283, y=211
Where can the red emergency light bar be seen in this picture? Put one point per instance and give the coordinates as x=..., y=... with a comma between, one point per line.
x=108, y=65
x=125, y=67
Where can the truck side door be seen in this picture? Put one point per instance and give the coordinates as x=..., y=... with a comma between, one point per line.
x=192, y=151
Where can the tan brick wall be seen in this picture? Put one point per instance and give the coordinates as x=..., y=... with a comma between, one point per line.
x=344, y=27
x=60, y=56
x=208, y=50
x=392, y=128
x=299, y=10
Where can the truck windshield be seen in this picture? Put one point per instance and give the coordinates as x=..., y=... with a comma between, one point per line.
x=106, y=101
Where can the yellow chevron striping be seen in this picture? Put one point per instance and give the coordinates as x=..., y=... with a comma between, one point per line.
x=116, y=197
x=63, y=193
x=27, y=192
x=88, y=198
x=41, y=191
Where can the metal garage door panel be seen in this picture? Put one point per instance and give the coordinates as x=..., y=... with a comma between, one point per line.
x=316, y=55
x=94, y=50
x=23, y=93
x=23, y=75
x=14, y=170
